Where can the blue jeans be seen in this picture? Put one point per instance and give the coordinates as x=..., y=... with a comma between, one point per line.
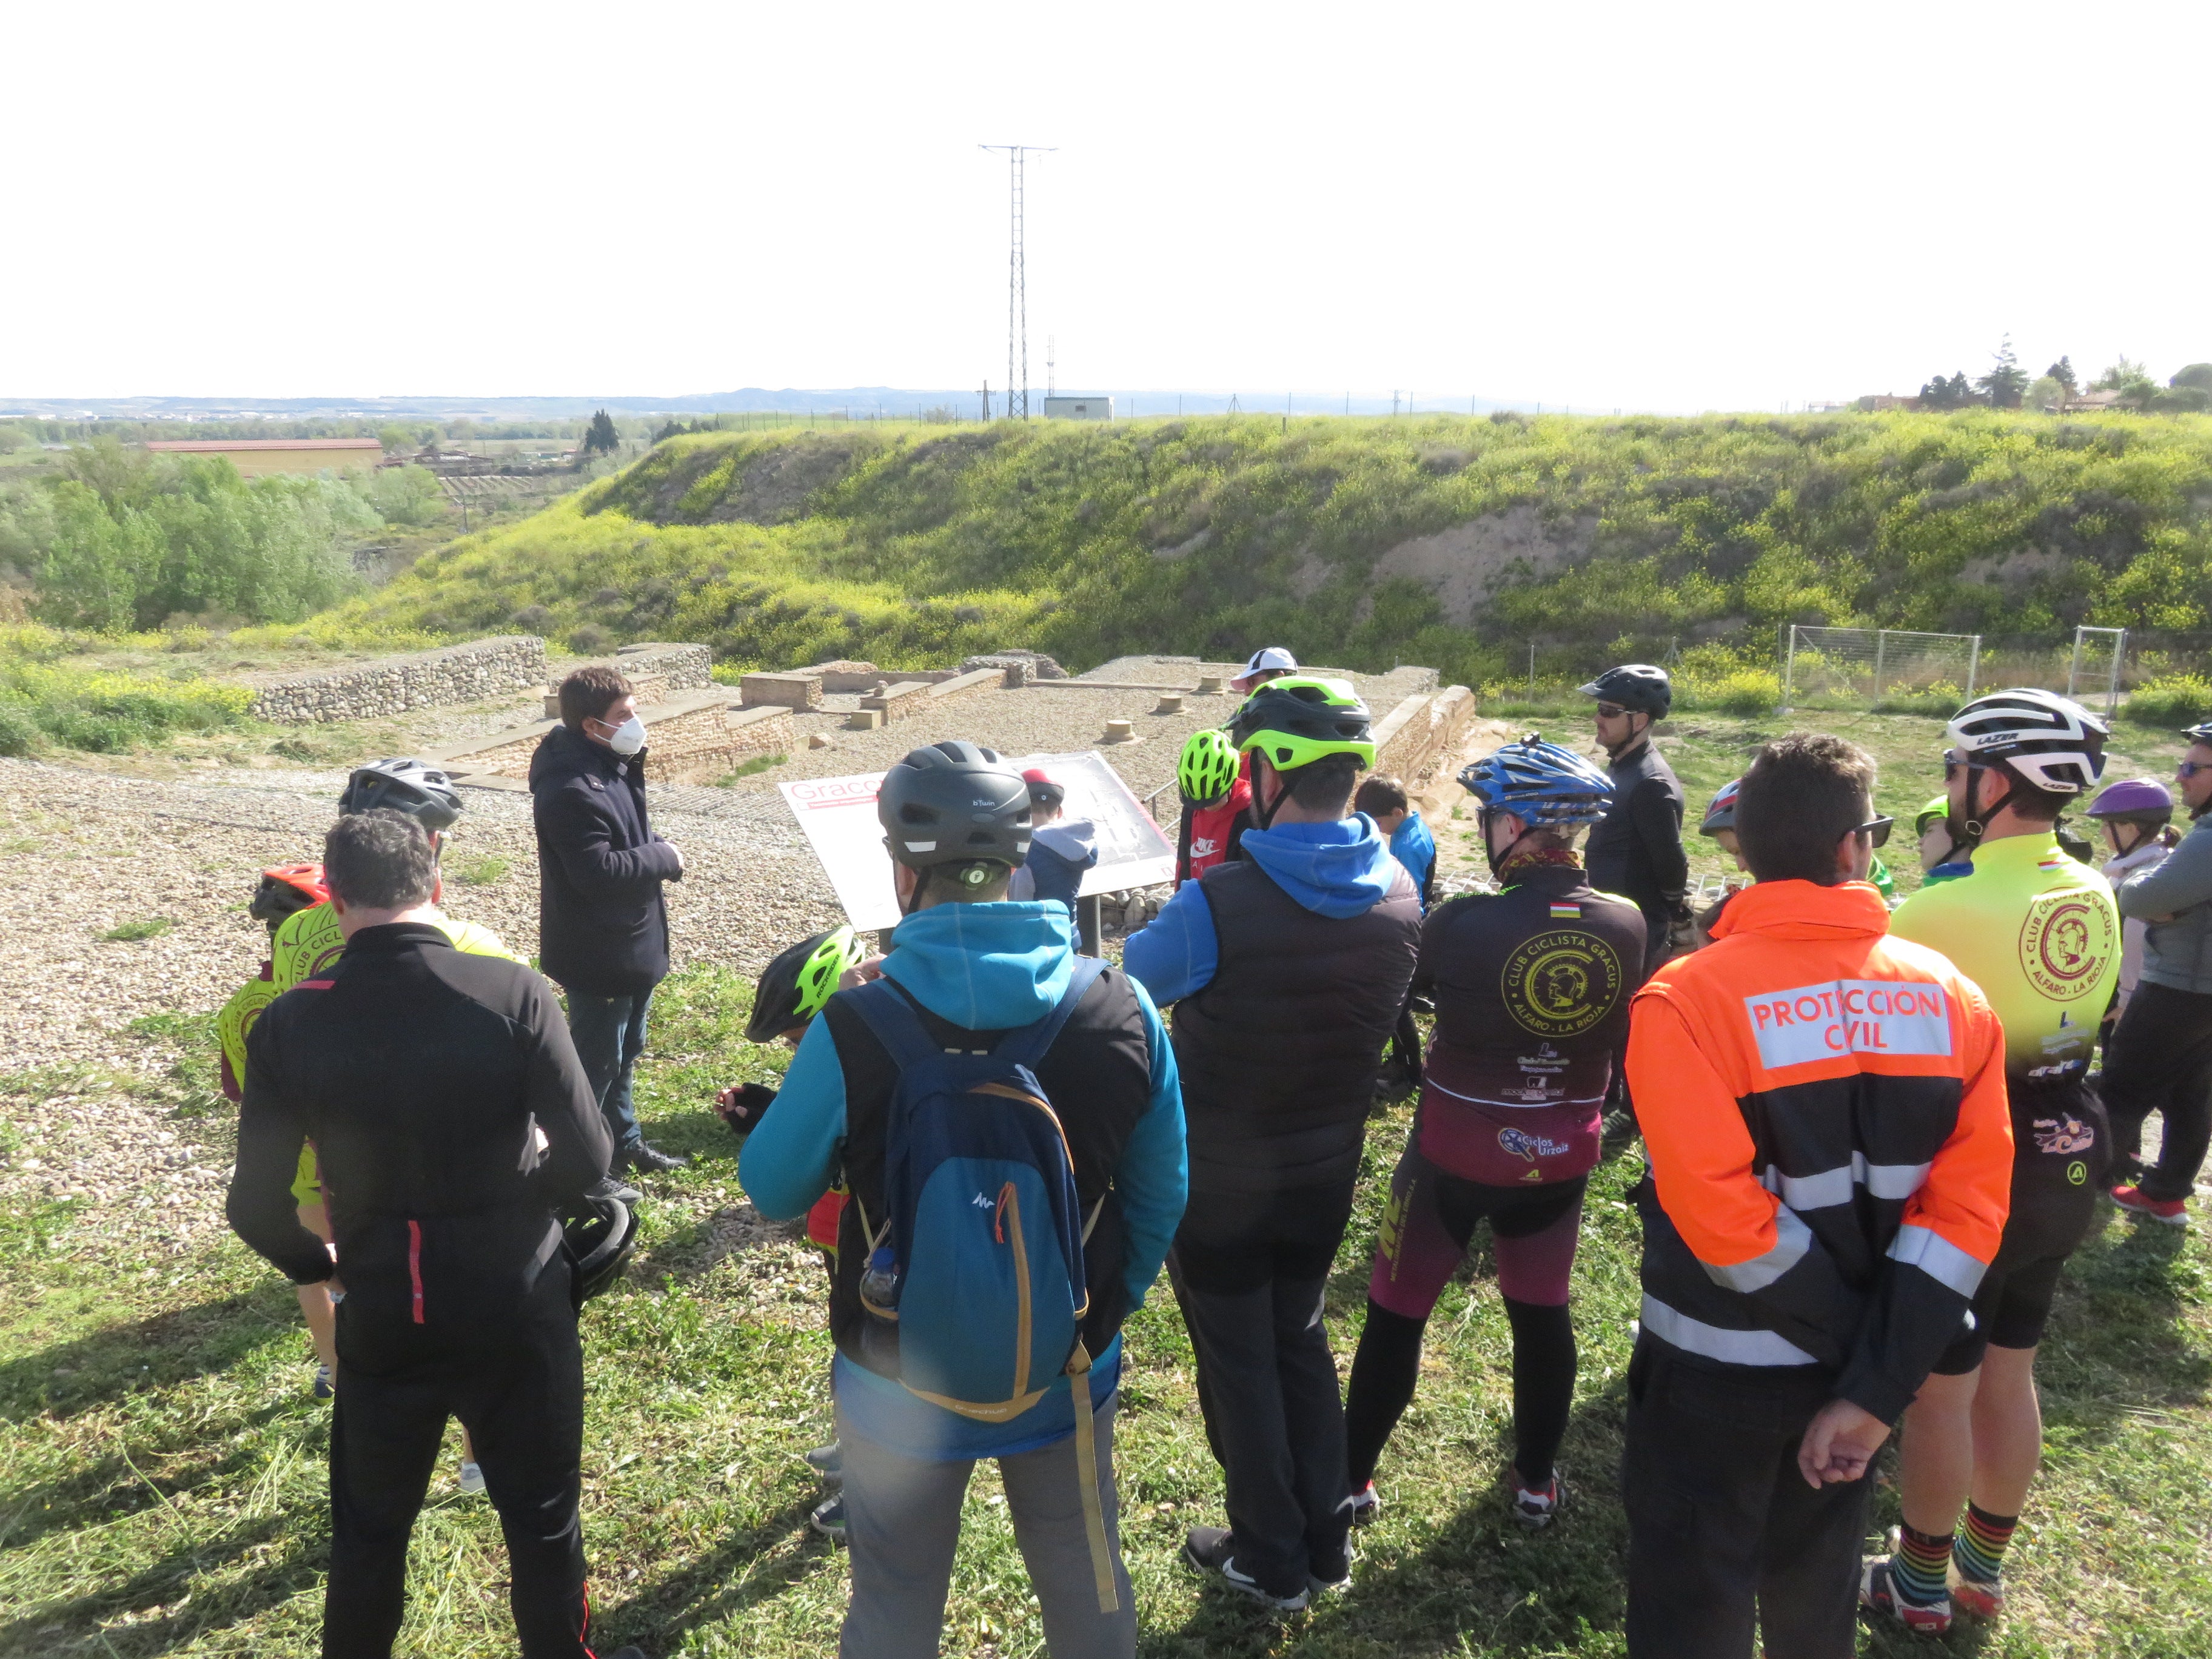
x=608, y=1033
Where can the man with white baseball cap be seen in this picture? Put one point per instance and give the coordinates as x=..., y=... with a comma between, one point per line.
x=1267, y=662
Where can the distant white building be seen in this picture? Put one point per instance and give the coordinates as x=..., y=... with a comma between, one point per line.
x=1079, y=408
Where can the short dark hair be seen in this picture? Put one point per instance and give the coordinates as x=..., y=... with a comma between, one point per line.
x=1380, y=795
x=2032, y=801
x=379, y=859
x=1322, y=786
x=589, y=692
x=1803, y=794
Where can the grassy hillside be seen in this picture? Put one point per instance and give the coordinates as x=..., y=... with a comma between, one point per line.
x=1442, y=540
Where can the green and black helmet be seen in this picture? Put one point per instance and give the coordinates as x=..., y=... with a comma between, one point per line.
x=1300, y=718
x=1207, y=769
x=794, y=987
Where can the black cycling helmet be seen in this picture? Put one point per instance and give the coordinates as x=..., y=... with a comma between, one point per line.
x=1634, y=685
x=955, y=802
x=1301, y=718
x=404, y=785
x=793, y=987
x=598, y=1237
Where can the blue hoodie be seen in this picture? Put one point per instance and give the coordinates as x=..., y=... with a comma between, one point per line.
x=987, y=967
x=1337, y=869
x=1412, y=846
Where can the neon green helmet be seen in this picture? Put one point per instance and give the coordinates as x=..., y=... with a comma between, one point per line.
x=1301, y=718
x=1939, y=807
x=1207, y=770
x=794, y=986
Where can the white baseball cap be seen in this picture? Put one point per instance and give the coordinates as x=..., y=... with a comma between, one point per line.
x=1268, y=659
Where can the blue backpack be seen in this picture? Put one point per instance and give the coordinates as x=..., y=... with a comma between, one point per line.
x=979, y=1252
x=979, y=1255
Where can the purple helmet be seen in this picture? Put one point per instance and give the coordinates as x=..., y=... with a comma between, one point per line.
x=2137, y=801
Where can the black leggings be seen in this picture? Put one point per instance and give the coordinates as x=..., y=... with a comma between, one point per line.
x=2160, y=1059
x=1390, y=1360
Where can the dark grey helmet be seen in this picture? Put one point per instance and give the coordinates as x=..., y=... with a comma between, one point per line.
x=955, y=803
x=423, y=792
x=1634, y=685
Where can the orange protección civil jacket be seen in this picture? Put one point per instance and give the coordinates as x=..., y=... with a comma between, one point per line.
x=1823, y=1108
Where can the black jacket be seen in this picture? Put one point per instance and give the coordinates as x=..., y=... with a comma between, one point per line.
x=422, y=1077
x=601, y=923
x=1636, y=850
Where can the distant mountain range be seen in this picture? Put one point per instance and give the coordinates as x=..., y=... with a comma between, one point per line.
x=890, y=401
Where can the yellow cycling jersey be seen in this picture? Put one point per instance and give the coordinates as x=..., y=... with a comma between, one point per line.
x=2039, y=932
x=306, y=944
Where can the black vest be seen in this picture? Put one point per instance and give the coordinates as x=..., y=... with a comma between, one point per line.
x=1277, y=1052
x=1098, y=1076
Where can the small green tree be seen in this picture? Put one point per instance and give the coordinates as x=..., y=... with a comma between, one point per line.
x=2198, y=375
x=2004, y=386
x=2062, y=371
x=2131, y=379
x=1951, y=394
x=600, y=438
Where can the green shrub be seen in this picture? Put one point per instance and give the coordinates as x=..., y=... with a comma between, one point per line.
x=481, y=871
x=2171, y=700
x=1739, y=691
x=131, y=932
x=19, y=727
x=109, y=713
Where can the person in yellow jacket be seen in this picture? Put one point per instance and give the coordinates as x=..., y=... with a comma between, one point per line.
x=304, y=942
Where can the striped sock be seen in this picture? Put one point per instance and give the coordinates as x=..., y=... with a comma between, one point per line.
x=1920, y=1567
x=1982, y=1545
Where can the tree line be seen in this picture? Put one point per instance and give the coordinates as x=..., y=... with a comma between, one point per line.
x=2008, y=385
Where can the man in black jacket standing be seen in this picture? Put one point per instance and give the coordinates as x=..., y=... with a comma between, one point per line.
x=1636, y=850
x=602, y=922
x=451, y=1121
x=1287, y=970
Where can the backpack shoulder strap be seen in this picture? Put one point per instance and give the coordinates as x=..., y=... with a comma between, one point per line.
x=892, y=1019
x=1027, y=1046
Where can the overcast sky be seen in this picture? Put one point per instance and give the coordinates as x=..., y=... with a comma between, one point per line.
x=1651, y=205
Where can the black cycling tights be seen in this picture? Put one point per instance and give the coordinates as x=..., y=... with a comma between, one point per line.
x=1390, y=1360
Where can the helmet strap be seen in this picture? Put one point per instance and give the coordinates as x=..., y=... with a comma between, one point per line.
x=1264, y=810
x=1500, y=860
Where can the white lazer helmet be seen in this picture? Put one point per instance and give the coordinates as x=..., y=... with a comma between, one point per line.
x=2051, y=741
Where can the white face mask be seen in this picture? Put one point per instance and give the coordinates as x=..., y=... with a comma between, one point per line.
x=627, y=738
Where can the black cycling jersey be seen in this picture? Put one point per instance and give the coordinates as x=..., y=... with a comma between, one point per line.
x=422, y=1077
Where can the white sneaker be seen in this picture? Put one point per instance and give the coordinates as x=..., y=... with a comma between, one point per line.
x=472, y=1478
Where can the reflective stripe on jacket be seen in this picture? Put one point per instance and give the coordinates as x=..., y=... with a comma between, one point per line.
x=1831, y=1157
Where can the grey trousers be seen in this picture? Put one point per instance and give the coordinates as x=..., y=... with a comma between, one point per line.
x=903, y=1525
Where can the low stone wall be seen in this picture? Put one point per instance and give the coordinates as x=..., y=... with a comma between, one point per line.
x=918, y=695
x=800, y=689
x=844, y=678
x=393, y=685
x=679, y=667
x=1417, y=735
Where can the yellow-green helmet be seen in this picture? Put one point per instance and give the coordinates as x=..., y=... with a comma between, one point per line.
x=1301, y=718
x=1207, y=770
x=1938, y=806
x=794, y=986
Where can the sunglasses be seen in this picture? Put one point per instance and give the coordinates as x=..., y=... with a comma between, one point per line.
x=2191, y=768
x=1610, y=711
x=1876, y=830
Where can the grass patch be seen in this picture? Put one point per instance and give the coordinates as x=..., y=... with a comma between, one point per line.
x=164, y=1463
x=753, y=767
x=130, y=931
x=480, y=869
x=107, y=713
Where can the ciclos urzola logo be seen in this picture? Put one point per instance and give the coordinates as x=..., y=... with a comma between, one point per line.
x=1521, y=1143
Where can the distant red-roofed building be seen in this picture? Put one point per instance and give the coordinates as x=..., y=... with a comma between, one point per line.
x=253, y=457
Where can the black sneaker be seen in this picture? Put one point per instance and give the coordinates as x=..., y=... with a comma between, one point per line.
x=1212, y=1551
x=829, y=1517
x=1326, y=1574
x=650, y=1160
x=608, y=1187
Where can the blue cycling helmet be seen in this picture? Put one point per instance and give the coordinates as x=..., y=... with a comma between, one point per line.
x=1540, y=783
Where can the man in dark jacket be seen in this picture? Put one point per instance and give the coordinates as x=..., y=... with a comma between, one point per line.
x=1636, y=851
x=602, y=922
x=1287, y=970
x=450, y=1120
